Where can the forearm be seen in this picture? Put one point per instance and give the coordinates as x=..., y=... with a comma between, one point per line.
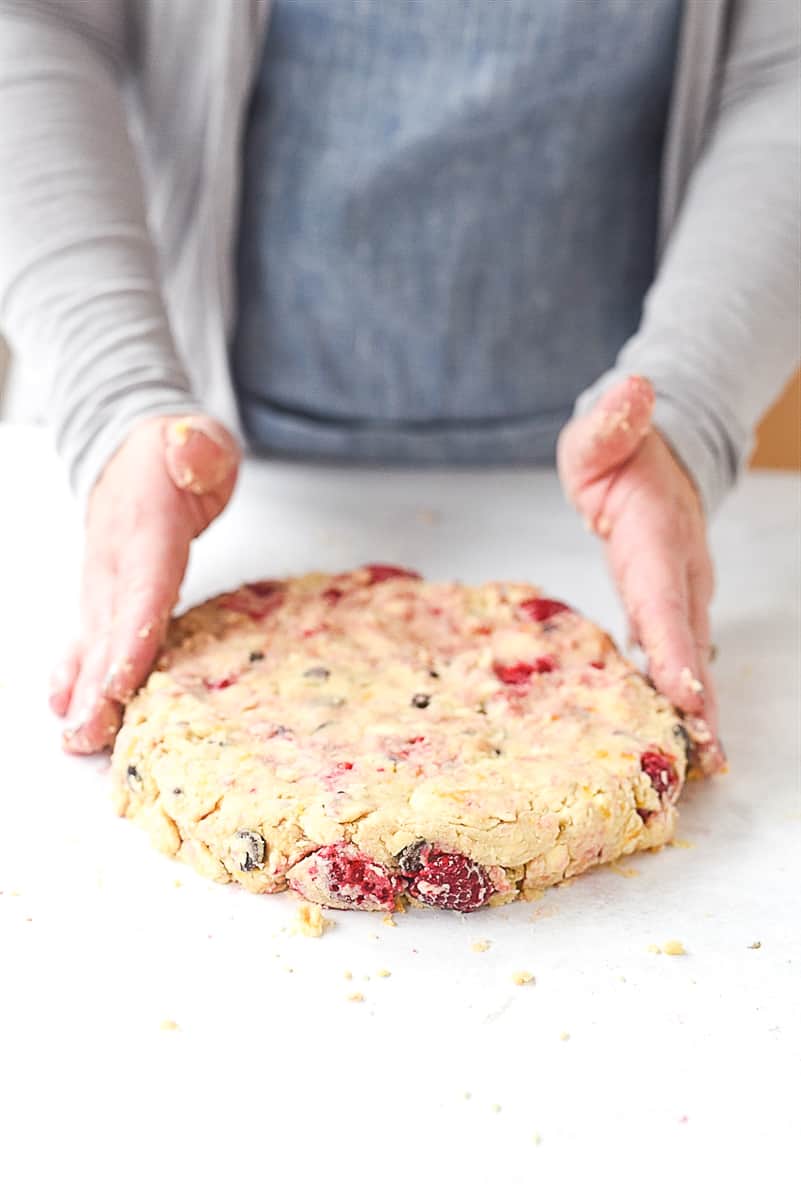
x=719, y=335
x=79, y=280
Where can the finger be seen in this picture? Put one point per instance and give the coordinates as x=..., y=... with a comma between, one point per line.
x=593, y=445
x=62, y=680
x=93, y=719
x=88, y=715
x=655, y=592
x=200, y=454
x=700, y=585
x=142, y=617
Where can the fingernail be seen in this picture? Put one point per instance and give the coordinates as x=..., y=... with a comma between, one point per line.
x=180, y=431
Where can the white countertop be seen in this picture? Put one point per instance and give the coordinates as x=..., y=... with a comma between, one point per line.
x=678, y=1071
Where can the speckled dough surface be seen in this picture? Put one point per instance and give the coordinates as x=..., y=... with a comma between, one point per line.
x=370, y=736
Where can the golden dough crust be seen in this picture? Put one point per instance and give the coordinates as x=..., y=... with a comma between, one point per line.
x=376, y=709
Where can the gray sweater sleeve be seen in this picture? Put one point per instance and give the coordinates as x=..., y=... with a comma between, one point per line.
x=80, y=295
x=720, y=329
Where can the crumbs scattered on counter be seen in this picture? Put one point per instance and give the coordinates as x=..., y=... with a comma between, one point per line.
x=674, y=947
x=681, y=843
x=310, y=921
x=383, y=973
x=521, y=978
x=564, y=1037
x=348, y=974
x=547, y=910
x=390, y=920
x=168, y=1025
x=480, y=947
x=755, y=946
x=654, y=949
x=356, y=997
x=177, y=883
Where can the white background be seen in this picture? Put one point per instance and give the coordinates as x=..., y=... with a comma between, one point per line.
x=679, y=1074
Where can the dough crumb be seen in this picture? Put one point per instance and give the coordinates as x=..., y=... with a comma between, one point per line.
x=480, y=947
x=536, y=1138
x=688, y=679
x=389, y=920
x=626, y=872
x=179, y=432
x=674, y=947
x=522, y=977
x=383, y=973
x=496, y=1108
x=169, y=1025
x=681, y=843
x=356, y=997
x=468, y=1095
x=755, y=946
x=564, y=1037
x=310, y=921
x=654, y=949
x=348, y=974
x=177, y=883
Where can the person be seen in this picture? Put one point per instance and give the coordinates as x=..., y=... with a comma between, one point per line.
x=405, y=233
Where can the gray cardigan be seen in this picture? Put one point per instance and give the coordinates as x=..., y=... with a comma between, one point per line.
x=120, y=133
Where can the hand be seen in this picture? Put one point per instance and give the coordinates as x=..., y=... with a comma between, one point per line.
x=622, y=476
x=168, y=481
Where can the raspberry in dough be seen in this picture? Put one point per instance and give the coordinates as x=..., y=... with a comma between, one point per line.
x=369, y=736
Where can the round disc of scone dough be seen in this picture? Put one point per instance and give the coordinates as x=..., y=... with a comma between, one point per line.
x=370, y=737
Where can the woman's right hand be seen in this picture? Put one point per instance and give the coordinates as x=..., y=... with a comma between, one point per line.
x=168, y=481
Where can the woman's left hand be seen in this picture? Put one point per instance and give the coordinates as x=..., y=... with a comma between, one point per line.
x=623, y=478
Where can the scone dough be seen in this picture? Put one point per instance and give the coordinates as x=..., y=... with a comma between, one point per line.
x=369, y=737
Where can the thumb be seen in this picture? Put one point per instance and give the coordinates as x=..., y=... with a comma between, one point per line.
x=593, y=445
x=199, y=453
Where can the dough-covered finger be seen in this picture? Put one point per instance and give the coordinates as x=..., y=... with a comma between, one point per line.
x=700, y=590
x=87, y=700
x=655, y=592
x=93, y=720
x=144, y=609
x=597, y=443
